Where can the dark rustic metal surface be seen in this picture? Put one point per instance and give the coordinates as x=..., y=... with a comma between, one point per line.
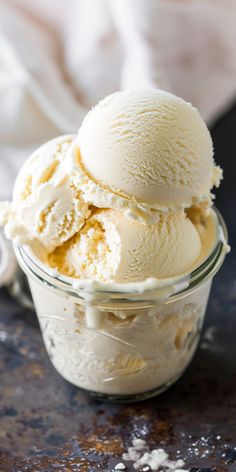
x=48, y=425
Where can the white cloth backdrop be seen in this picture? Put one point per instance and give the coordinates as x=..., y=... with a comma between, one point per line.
x=59, y=57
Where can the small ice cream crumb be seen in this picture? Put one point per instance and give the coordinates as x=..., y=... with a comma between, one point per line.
x=120, y=466
x=156, y=460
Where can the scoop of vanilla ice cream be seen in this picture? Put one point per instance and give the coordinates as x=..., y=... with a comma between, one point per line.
x=147, y=147
x=46, y=206
x=114, y=247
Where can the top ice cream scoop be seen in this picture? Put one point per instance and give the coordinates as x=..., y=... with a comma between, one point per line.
x=147, y=149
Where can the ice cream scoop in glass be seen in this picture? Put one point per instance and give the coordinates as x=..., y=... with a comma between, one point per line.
x=116, y=232
x=121, y=341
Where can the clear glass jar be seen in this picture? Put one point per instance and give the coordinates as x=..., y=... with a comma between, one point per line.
x=127, y=344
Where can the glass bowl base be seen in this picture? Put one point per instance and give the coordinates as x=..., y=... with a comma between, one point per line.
x=113, y=398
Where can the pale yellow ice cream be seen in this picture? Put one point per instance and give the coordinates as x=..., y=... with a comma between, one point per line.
x=142, y=150
x=46, y=206
x=125, y=205
x=115, y=247
x=144, y=157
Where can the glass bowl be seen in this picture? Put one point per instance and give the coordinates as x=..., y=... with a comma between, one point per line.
x=123, y=342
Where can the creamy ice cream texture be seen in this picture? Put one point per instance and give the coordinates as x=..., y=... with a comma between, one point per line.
x=114, y=247
x=46, y=206
x=144, y=150
x=143, y=158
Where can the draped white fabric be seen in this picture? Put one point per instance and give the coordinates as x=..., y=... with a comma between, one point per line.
x=59, y=57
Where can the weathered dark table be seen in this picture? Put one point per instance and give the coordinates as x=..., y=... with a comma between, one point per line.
x=48, y=425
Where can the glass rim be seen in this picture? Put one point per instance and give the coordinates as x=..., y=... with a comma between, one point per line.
x=151, y=289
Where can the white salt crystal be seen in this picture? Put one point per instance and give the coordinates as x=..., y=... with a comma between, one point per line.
x=120, y=466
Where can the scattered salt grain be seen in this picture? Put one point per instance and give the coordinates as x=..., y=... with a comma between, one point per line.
x=139, y=444
x=120, y=466
x=155, y=460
